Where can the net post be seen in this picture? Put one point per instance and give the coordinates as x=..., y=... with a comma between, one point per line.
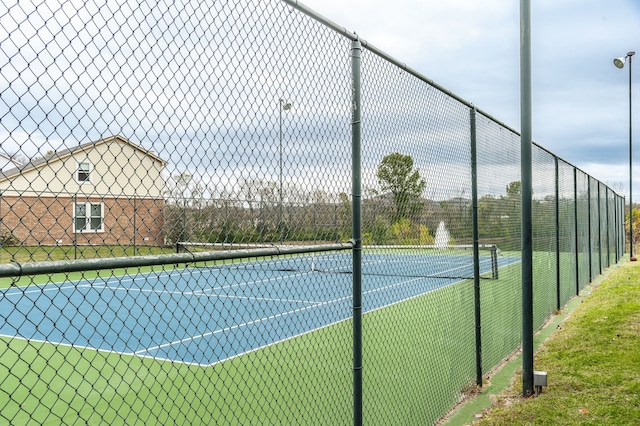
x=494, y=262
x=476, y=248
x=356, y=52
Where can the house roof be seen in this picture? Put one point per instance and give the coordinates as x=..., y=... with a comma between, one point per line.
x=62, y=154
x=8, y=160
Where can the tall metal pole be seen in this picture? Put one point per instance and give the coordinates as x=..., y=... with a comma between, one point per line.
x=356, y=183
x=557, y=220
x=632, y=257
x=619, y=62
x=282, y=107
x=476, y=245
x=526, y=172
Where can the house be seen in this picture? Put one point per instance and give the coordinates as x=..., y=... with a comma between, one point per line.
x=103, y=192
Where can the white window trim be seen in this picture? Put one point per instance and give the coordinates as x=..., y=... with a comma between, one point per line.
x=88, y=205
x=78, y=170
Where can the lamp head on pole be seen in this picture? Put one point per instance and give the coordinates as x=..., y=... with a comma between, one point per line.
x=619, y=62
x=285, y=107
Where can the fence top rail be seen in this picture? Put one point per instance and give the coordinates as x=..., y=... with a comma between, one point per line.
x=15, y=269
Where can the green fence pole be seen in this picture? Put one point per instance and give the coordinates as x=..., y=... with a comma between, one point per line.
x=590, y=251
x=558, y=301
x=599, y=230
x=526, y=172
x=617, y=227
x=476, y=249
x=620, y=226
x=135, y=212
x=576, y=227
x=356, y=52
x=608, y=225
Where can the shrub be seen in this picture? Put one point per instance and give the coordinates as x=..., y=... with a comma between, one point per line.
x=7, y=238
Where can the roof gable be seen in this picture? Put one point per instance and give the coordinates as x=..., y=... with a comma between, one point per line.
x=65, y=153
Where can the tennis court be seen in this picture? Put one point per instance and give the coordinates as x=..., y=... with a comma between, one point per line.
x=204, y=315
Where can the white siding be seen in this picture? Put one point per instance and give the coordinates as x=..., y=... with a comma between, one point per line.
x=118, y=169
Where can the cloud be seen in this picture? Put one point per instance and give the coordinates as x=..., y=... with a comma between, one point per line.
x=472, y=49
x=182, y=77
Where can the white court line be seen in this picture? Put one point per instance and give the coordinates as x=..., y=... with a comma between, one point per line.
x=435, y=273
x=237, y=326
x=41, y=288
x=209, y=296
x=291, y=312
x=69, y=345
x=202, y=292
x=282, y=314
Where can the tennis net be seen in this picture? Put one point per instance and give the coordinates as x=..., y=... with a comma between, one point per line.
x=428, y=261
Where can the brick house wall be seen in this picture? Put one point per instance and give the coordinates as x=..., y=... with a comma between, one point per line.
x=50, y=220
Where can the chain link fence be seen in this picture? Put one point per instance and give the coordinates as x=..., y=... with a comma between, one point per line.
x=178, y=237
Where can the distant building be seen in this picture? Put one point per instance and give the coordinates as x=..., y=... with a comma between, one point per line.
x=103, y=192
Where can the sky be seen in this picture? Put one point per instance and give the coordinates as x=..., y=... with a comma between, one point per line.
x=580, y=100
x=206, y=78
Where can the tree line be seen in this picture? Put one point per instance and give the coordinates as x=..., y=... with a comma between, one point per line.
x=397, y=212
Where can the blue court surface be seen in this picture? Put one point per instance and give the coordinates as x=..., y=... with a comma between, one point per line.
x=209, y=314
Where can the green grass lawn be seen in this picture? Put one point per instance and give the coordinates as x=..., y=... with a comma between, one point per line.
x=592, y=363
x=25, y=254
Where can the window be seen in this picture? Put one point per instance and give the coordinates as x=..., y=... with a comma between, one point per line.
x=88, y=217
x=83, y=173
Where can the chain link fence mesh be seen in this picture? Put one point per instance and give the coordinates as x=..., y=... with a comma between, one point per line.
x=422, y=133
x=568, y=235
x=176, y=222
x=544, y=236
x=499, y=217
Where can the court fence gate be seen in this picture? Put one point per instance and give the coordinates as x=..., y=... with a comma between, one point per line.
x=238, y=212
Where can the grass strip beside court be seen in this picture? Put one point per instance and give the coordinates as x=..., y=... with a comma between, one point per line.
x=592, y=363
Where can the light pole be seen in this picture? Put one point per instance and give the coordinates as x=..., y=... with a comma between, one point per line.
x=282, y=107
x=619, y=63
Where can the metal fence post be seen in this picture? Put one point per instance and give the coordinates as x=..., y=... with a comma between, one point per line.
x=577, y=238
x=135, y=228
x=476, y=250
x=608, y=224
x=356, y=51
x=619, y=228
x=599, y=230
x=558, y=302
x=590, y=251
x=614, y=226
